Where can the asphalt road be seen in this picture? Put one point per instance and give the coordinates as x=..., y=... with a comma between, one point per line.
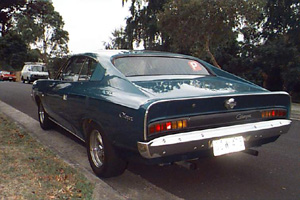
x=274, y=174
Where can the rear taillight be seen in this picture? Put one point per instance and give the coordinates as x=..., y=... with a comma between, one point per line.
x=273, y=113
x=165, y=126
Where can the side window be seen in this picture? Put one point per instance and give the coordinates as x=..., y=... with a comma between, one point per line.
x=87, y=69
x=78, y=69
x=72, y=70
x=98, y=73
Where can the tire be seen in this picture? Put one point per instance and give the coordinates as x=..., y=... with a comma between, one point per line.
x=23, y=80
x=44, y=120
x=103, y=158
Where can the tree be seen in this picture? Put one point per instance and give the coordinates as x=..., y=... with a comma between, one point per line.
x=7, y=9
x=278, y=56
x=41, y=26
x=13, y=51
x=147, y=30
x=197, y=26
x=142, y=27
x=283, y=18
x=55, y=64
x=118, y=40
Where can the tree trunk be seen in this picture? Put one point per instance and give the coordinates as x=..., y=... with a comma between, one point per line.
x=213, y=59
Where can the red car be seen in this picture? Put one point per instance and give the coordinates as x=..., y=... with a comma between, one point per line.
x=7, y=76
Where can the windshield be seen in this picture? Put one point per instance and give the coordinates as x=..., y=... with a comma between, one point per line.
x=39, y=68
x=152, y=66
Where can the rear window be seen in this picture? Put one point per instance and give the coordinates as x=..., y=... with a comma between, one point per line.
x=152, y=66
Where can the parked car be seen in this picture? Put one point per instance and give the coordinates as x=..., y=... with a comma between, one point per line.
x=7, y=76
x=33, y=71
x=157, y=108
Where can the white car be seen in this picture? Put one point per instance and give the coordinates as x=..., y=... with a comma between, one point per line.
x=34, y=71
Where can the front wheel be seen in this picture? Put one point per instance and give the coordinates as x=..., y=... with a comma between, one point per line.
x=44, y=120
x=103, y=158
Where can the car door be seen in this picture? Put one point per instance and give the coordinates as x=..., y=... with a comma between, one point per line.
x=59, y=90
x=78, y=97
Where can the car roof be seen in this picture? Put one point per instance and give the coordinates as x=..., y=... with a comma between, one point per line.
x=125, y=53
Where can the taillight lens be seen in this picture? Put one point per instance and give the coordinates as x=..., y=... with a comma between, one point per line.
x=167, y=126
x=273, y=113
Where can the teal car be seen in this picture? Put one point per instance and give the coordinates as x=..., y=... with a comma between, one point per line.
x=157, y=108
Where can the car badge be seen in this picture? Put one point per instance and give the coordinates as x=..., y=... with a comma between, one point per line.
x=230, y=103
x=123, y=115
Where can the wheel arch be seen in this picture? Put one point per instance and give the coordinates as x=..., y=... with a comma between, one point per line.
x=87, y=123
x=37, y=99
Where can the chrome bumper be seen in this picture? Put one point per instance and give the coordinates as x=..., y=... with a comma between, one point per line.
x=202, y=140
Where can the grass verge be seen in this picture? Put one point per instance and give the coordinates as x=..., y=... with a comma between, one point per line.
x=30, y=171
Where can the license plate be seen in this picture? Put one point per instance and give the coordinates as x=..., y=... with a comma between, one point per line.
x=228, y=145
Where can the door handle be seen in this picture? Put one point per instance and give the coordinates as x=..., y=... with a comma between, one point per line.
x=65, y=97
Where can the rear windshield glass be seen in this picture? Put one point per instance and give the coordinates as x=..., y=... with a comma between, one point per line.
x=152, y=66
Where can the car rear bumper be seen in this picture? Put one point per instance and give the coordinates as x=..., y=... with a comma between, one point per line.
x=202, y=140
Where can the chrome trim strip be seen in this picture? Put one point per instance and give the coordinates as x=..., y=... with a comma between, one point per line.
x=66, y=129
x=205, y=97
x=168, y=142
x=145, y=122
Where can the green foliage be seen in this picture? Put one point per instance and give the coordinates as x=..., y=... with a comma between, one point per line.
x=7, y=9
x=42, y=26
x=55, y=64
x=203, y=27
x=30, y=24
x=142, y=25
x=13, y=52
x=118, y=41
x=33, y=55
x=279, y=55
x=283, y=17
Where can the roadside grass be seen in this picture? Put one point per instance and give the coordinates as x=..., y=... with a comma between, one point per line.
x=30, y=171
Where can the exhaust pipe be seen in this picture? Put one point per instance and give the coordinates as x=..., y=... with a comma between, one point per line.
x=186, y=164
x=251, y=152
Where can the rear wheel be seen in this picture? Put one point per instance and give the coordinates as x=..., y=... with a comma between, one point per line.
x=44, y=120
x=103, y=158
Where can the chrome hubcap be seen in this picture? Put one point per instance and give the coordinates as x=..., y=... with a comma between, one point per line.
x=42, y=114
x=96, y=148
